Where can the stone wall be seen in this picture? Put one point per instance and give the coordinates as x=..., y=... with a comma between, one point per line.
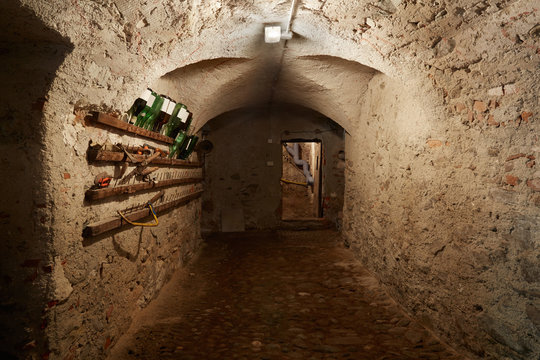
x=64, y=296
x=450, y=160
x=238, y=177
x=450, y=216
x=30, y=56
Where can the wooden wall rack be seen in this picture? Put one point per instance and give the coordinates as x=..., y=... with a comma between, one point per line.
x=117, y=222
x=96, y=194
x=114, y=122
x=115, y=156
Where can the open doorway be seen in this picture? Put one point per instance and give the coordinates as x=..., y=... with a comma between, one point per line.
x=301, y=180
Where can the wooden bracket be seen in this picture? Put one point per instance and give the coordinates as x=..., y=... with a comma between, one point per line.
x=117, y=222
x=114, y=122
x=96, y=194
x=116, y=156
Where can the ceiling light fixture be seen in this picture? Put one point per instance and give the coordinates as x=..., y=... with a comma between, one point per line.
x=273, y=34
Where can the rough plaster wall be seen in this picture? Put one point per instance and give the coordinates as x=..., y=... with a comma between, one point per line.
x=237, y=175
x=441, y=219
x=81, y=294
x=30, y=57
x=452, y=218
x=448, y=54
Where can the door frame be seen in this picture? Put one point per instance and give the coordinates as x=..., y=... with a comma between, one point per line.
x=319, y=211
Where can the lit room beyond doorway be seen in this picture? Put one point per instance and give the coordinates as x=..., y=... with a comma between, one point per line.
x=301, y=180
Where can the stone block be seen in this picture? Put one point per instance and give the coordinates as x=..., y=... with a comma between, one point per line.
x=510, y=89
x=496, y=91
x=512, y=180
x=480, y=106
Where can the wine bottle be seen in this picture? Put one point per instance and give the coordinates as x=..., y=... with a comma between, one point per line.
x=171, y=129
x=179, y=141
x=186, y=119
x=166, y=117
x=138, y=106
x=152, y=105
x=149, y=124
x=188, y=148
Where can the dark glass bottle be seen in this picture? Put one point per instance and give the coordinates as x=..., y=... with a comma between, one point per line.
x=151, y=109
x=138, y=106
x=189, y=147
x=166, y=117
x=150, y=122
x=178, y=144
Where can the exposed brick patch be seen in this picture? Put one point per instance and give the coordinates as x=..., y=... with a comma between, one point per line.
x=480, y=106
x=525, y=115
x=534, y=184
x=516, y=156
x=67, y=176
x=108, y=342
x=491, y=121
x=434, y=143
x=460, y=107
x=512, y=180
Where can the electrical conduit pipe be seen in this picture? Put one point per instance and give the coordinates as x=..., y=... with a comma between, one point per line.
x=295, y=154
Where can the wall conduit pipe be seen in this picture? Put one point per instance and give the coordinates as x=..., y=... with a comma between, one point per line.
x=294, y=151
x=287, y=35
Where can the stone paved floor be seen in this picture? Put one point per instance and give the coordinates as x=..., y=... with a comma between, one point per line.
x=281, y=295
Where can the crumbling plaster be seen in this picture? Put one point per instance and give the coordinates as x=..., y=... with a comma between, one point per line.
x=445, y=61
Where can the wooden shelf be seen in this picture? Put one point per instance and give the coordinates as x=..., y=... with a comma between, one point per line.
x=115, y=156
x=114, y=122
x=96, y=194
x=117, y=222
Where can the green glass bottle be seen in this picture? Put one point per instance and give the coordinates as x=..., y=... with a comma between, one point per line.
x=152, y=105
x=151, y=120
x=179, y=112
x=178, y=144
x=138, y=106
x=188, y=149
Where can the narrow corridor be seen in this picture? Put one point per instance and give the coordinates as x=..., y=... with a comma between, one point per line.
x=276, y=295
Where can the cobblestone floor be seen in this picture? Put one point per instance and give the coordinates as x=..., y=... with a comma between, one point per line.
x=281, y=295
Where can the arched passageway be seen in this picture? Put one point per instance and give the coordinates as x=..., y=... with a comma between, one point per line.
x=438, y=101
